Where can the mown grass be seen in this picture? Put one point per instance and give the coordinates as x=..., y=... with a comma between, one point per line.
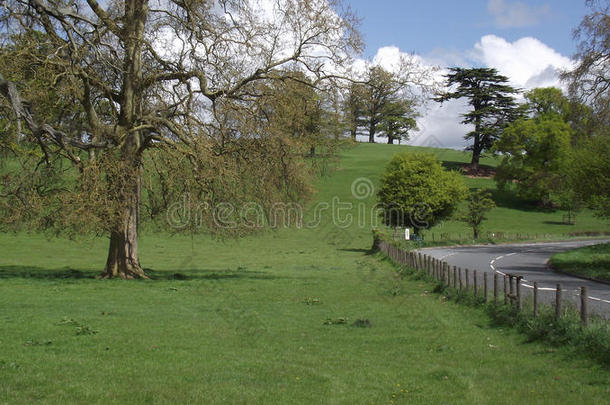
x=590, y=261
x=244, y=322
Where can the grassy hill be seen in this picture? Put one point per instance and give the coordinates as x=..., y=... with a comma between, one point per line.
x=248, y=321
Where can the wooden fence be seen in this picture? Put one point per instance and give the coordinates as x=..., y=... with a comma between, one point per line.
x=479, y=284
x=506, y=236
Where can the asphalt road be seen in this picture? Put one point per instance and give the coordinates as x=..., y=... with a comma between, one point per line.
x=528, y=260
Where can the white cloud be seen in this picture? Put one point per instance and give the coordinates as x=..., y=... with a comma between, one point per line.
x=516, y=14
x=527, y=62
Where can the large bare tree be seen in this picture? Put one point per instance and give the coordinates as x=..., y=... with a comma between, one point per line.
x=161, y=93
x=589, y=81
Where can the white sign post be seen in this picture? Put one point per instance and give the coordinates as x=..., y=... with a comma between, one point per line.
x=407, y=236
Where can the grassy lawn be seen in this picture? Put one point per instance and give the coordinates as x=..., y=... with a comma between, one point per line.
x=589, y=261
x=244, y=321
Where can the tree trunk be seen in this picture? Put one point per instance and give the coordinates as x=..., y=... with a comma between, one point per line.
x=476, y=153
x=312, y=151
x=474, y=163
x=123, y=260
x=371, y=133
x=390, y=140
x=125, y=187
x=476, y=147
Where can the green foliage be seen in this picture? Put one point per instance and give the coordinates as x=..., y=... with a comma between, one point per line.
x=555, y=156
x=416, y=191
x=336, y=321
x=593, y=341
x=536, y=156
x=589, y=172
x=398, y=118
x=479, y=203
x=551, y=102
x=293, y=108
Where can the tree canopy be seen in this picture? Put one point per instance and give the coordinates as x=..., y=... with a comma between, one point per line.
x=162, y=95
x=479, y=203
x=385, y=102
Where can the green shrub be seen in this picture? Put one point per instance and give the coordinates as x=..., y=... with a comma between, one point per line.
x=416, y=191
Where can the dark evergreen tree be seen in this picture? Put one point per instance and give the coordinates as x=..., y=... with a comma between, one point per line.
x=492, y=102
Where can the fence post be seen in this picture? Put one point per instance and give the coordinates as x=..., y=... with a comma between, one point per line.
x=558, y=302
x=485, y=285
x=467, y=279
x=495, y=287
x=460, y=277
x=511, y=289
x=535, y=299
x=584, y=308
x=518, y=281
x=505, y=290
x=454, y=277
x=474, y=283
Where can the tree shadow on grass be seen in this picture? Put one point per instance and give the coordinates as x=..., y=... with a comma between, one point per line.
x=209, y=274
x=453, y=165
x=508, y=199
x=40, y=273
x=367, y=252
x=45, y=274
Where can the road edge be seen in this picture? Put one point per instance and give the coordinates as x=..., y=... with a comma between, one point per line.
x=580, y=276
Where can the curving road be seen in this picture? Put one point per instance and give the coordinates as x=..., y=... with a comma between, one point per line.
x=529, y=260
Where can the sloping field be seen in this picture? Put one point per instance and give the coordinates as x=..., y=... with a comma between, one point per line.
x=290, y=316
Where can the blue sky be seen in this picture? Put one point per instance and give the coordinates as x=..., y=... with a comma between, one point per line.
x=529, y=41
x=431, y=26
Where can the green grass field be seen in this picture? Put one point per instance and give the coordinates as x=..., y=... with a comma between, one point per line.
x=244, y=321
x=590, y=261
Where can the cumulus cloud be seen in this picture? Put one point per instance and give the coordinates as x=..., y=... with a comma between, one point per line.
x=521, y=61
x=516, y=14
